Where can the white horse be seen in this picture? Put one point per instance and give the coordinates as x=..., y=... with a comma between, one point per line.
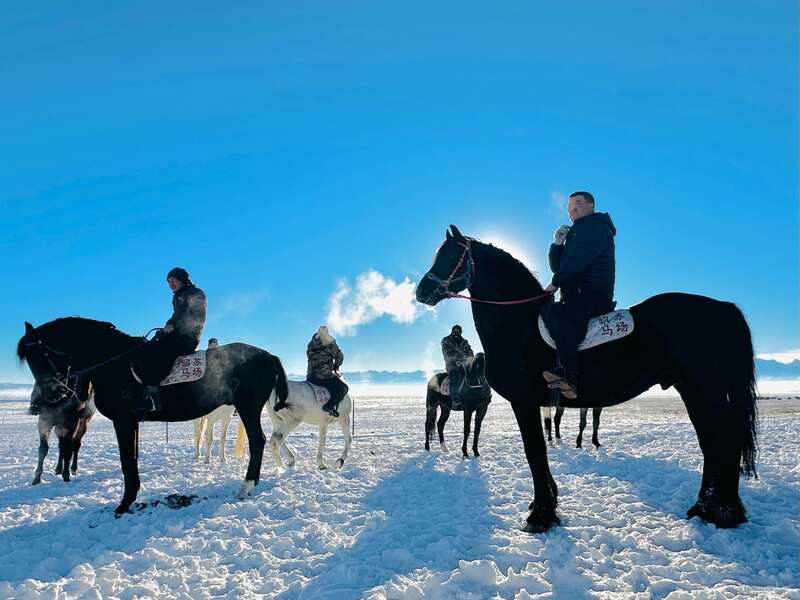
x=303, y=405
x=222, y=415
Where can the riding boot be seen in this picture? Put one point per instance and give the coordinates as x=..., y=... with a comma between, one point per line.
x=330, y=408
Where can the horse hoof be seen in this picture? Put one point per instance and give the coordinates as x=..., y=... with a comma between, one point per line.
x=339, y=463
x=540, y=520
x=723, y=517
x=444, y=447
x=476, y=453
x=596, y=444
x=36, y=481
x=246, y=489
x=74, y=470
x=323, y=468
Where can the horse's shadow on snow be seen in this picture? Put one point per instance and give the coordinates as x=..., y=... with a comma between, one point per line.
x=419, y=517
x=49, y=550
x=665, y=487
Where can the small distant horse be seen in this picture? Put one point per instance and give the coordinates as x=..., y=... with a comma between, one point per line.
x=474, y=397
x=71, y=349
x=70, y=416
x=303, y=406
x=205, y=425
x=547, y=413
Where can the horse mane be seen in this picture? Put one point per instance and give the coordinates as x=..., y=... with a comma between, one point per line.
x=508, y=267
x=69, y=327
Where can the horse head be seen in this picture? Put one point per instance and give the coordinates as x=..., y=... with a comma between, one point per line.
x=452, y=270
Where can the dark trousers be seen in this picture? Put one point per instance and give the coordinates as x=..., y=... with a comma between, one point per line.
x=334, y=385
x=155, y=359
x=567, y=322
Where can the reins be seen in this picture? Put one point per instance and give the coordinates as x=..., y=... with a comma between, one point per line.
x=444, y=284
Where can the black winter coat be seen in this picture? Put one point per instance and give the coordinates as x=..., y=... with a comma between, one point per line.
x=188, y=312
x=585, y=264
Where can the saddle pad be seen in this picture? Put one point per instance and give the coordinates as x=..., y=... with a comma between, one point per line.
x=321, y=394
x=605, y=328
x=186, y=369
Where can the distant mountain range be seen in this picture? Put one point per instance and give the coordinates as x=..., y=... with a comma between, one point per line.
x=772, y=369
x=378, y=377
x=765, y=369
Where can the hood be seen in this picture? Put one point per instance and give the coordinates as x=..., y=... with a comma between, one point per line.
x=598, y=217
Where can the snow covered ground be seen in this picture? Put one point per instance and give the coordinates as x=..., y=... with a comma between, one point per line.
x=397, y=522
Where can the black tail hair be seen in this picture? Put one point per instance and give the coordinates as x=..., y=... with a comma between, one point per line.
x=281, y=384
x=742, y=392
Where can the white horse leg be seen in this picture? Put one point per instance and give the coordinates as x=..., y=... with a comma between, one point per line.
x=198, y=435
x=209, y=439
x=290, y=458
x=323, y=432
x=344, y=421
x=223, y=435
x=275, y=445
x=241, y=441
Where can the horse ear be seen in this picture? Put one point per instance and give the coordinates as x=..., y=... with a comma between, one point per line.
x=28, y=328
x=456, y=233
x=448, y=235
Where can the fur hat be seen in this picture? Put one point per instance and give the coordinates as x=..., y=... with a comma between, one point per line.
x=324, y=335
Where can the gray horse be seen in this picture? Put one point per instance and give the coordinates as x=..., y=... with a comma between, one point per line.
x=70, y=416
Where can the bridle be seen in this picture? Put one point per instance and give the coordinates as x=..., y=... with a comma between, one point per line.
x=443, y=285
x=68, y=380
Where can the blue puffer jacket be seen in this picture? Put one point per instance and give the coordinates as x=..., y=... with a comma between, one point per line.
x=585, y=264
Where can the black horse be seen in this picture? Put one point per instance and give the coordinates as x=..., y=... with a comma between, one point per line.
x=70, y=415
x=549, y=421
x=699, y=345
x=473, y=396
x=69, y=352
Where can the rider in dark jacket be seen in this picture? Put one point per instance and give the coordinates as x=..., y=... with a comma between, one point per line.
x=324, y=361
x=583, y=264
x=179, y=337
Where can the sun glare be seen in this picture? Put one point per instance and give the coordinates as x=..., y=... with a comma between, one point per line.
x=517, y=250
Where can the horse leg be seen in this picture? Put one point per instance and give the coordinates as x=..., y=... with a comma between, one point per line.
x=241, y=440
x=479, y=415
x=198, y=435
x=44, y=433
x=223, y=436
x=596, y=426
x=545, y=493
x=548, y=423
x=64, y=451
x=76, y=443
x=344, y=421
x=209, y=435
x=718, y=499
x=323, y=432
x=581, y=427
x=275, y=441
x=430, y=424
x=250, y=415
x=126, y=431
x=467, y=422
x=557, y=420
x=440, y=426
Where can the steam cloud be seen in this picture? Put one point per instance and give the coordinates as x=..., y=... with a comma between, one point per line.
x=373, y=296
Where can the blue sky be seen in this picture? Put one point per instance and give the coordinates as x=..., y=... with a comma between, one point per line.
x=278, y=149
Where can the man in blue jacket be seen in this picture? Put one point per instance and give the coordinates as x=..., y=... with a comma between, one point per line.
x=583, y=265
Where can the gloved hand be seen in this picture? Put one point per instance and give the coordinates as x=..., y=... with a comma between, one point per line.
x=560, y=236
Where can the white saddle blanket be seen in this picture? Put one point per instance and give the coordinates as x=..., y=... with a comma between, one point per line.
x=186, y=369
x=605, y=328
x=320, y=393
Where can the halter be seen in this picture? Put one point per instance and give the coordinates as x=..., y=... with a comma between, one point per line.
x=443, y=288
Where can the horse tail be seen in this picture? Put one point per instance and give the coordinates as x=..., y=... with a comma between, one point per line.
x=281, y=381
x=741, y=391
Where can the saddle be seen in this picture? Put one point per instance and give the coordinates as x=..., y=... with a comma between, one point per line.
x=321, y=394
x=185, y=369
x=609, y=327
